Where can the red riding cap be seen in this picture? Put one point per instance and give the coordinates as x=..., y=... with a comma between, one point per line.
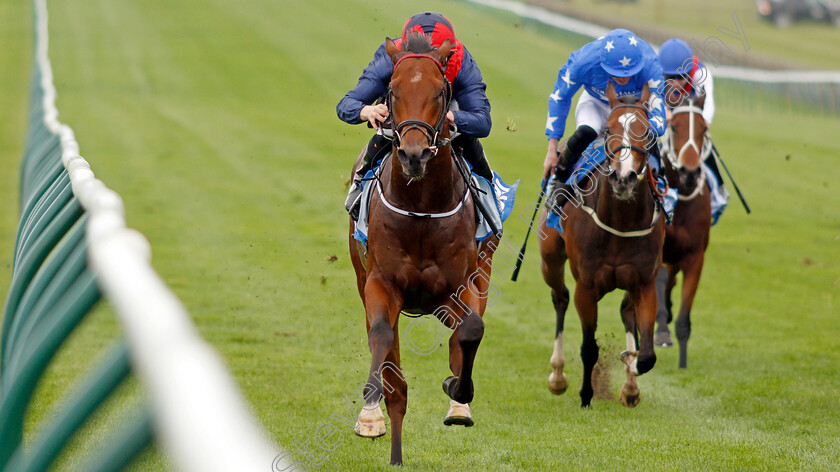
x=439, y=29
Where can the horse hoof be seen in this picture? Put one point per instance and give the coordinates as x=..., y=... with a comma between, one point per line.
x=370, y=423
x=459, y=414
x=558, y=384
x=662, y=339
x=629, y=399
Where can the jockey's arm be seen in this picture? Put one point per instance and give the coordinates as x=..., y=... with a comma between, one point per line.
x=473, y=114
x=709, y=104
x=656, y=104
x=559, y=104
x=560, y=101
x=372, y=85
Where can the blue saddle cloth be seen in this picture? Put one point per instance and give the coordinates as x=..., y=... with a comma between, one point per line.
x=497, y=197
x=592, y=157
x=720, y=197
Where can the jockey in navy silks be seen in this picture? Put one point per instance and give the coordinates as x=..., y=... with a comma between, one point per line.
x=469, y=113
x=686, y=75
x=619, y=57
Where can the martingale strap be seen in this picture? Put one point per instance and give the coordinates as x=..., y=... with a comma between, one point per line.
x=414, y=214
x=623, y=234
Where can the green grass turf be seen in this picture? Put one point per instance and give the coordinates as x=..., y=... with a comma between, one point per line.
x=215, y=121
x=805, y=44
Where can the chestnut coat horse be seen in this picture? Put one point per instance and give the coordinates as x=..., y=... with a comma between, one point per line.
x=687, y=237
x=422, y=257
x=613, y=239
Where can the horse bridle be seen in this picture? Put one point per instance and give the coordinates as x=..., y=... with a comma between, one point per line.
x=690, y=143
x=432, y=133
x=611, y=153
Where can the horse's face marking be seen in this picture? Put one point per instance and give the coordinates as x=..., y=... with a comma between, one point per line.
x=625, y=157
x=627, y=140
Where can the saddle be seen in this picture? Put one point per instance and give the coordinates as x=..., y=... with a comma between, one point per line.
x=497, y=198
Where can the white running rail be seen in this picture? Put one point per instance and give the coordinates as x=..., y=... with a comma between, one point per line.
x=200, y=416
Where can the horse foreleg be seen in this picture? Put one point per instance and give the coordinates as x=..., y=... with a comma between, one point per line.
x=645, y=322
x=554, y=275
x=586, y=302
x=382, y=310
x=463, y=345
x=630, y=390
x=396, y=397
x=662, y=337
x=692, y=268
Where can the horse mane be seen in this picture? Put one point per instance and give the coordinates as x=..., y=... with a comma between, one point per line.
x=418, y=43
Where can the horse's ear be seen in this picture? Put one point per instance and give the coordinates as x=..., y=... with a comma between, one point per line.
x=444, y=51
x=701, y=100
x=645, y=94
x=611, y=96
x=391, y=49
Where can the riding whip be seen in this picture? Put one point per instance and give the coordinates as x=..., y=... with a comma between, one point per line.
x=734, y=185
x=527, y=234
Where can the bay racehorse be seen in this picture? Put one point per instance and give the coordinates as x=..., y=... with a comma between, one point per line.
x=687, y=237
x=614, y=231
x=421, y=256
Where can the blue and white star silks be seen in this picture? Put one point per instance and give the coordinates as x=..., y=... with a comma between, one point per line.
x=584, y=69
x=549, y=123
x=568, y=81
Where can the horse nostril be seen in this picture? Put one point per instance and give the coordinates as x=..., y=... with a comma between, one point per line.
x=426, y=155
x=402, y=155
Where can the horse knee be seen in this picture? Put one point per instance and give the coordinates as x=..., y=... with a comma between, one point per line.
x=683, y=328
x=560, y=298
x=471, y=331
x=646, y=361
x=589, y=352
x=381, y=335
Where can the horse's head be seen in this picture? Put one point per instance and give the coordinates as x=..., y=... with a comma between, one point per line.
x=626, y=141
x=687, y=135
x=419, y=98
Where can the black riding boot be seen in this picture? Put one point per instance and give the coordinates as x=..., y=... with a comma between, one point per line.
x=473, y=152
x=575, y=146
x=376, y=150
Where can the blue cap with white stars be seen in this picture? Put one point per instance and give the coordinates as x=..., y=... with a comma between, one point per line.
x=621, y=55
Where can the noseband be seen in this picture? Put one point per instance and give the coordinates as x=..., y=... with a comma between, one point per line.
x=690, y=143
x=432, y=133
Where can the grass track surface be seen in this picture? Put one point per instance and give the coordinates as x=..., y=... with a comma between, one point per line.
x=701, y=20
x=215, y=121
